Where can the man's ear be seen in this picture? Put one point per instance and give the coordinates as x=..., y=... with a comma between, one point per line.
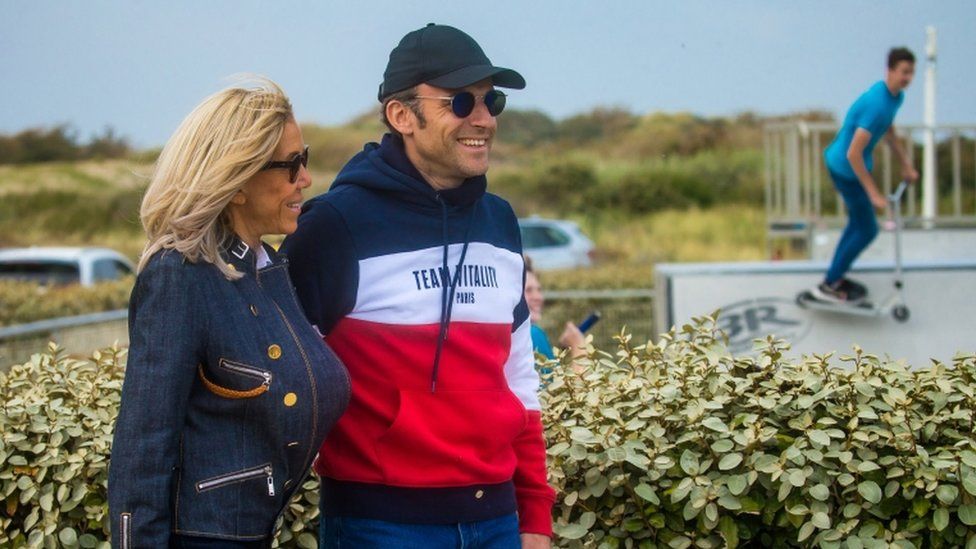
x=401, y=117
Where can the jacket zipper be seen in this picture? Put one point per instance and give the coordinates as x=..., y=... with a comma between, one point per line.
x=345, y=373
x=311, y=380
x=246, y=370
x=314, y=392
x=126, y=533
x=308, y=370
x=239, y=476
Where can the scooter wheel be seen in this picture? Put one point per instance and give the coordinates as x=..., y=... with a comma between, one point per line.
x=900, y=313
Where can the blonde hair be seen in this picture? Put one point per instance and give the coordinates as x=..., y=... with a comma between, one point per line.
x=218, y=147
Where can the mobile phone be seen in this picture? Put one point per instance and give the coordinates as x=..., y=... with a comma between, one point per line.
x=589, y=321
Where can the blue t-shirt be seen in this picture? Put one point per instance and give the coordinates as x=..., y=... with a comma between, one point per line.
x=874, y=111
x=540, y=343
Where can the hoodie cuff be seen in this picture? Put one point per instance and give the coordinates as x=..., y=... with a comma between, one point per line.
x=535, y=515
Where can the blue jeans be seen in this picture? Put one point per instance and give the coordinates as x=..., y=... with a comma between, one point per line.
x=360, y=533
x=861, y=228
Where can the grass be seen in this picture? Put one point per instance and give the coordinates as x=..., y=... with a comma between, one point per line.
x=628, y=248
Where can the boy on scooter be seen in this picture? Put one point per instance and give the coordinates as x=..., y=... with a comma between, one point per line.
x=849, y=162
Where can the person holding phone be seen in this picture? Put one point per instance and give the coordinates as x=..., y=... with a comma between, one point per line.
x=572, y=337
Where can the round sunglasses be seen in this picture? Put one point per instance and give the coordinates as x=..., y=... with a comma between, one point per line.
x=462, y=103
x=293, y=165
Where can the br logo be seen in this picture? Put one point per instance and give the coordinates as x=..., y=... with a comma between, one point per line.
x=755, y=318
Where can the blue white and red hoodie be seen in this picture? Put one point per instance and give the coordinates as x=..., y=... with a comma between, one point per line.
x=420, y=294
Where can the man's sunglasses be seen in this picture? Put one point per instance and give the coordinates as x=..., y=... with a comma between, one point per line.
x=462, y=104
x=293, y=165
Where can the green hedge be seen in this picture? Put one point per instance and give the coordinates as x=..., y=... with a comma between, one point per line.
x=22, y=302
x=680, y=444
x=676, y=444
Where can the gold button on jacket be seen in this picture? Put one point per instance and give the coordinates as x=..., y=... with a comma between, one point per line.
x=274, y=351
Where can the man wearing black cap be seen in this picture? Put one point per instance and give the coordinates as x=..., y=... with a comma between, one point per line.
x=414, y=274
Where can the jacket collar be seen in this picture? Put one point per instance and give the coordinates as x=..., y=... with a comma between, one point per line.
x=243, y=257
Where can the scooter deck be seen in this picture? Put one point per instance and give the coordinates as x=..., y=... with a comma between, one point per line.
x=862, y=308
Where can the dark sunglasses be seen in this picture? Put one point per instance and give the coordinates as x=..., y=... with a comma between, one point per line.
x=462, y=103
x=293, y=165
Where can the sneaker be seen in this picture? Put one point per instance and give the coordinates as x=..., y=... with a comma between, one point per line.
x=831, y=293
x=855, y=290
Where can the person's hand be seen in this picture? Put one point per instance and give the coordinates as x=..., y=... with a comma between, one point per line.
x=878, y=200
x=573, y=339
x=909, y=173
x=535, y=541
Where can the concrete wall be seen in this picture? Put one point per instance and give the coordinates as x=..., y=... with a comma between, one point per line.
x=759, y=298
x=79, y=336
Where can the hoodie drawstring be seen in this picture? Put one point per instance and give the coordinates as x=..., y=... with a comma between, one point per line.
x=447, y=294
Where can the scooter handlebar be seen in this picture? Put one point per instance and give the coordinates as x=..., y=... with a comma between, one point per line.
x=895, y=197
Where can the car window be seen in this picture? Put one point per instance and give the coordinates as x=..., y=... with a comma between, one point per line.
x=108, y=269
x=558, y=236
x=42, y=272
x=542, y=237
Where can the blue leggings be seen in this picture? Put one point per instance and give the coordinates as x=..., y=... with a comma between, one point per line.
x=861, y=228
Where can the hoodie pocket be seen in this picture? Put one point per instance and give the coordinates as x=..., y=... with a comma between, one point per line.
x=258, y=375
x=450, y=438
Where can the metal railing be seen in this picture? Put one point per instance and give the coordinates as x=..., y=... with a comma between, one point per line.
x=633, y=308
x=79, y=335
x=798, y=189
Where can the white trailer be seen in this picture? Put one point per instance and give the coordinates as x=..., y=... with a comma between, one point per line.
x=758, y=298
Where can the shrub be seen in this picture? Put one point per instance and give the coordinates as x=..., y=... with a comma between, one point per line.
x=526, y=128
x=554, y=186
x=649, y=190
x=680, y=444
x=674, y=444
x=57, y=418
x=59, y=143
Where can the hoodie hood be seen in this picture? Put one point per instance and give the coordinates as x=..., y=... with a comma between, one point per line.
x=384, y=167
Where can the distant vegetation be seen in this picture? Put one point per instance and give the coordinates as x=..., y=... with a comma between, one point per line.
x=605, y=160
x=607, y=169
x=647, y=188
x=59, y=143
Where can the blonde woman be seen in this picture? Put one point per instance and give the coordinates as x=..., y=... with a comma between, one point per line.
x=229, y=391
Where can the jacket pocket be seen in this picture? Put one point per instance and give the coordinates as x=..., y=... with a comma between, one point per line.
x=242, y=369
x=465, y=436
x=244, y=475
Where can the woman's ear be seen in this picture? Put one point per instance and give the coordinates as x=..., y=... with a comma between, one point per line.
x=239, y=198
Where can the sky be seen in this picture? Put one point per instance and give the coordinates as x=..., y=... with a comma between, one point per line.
x=140, y=66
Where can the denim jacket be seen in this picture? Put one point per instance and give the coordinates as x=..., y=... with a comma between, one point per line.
x=228, y=394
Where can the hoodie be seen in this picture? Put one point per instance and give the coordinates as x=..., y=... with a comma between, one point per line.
x=420, y=293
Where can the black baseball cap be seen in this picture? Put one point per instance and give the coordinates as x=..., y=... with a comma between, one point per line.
x=442, y=56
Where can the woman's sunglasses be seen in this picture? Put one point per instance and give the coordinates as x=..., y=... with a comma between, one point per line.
x=462, y=104
x=293, y=165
